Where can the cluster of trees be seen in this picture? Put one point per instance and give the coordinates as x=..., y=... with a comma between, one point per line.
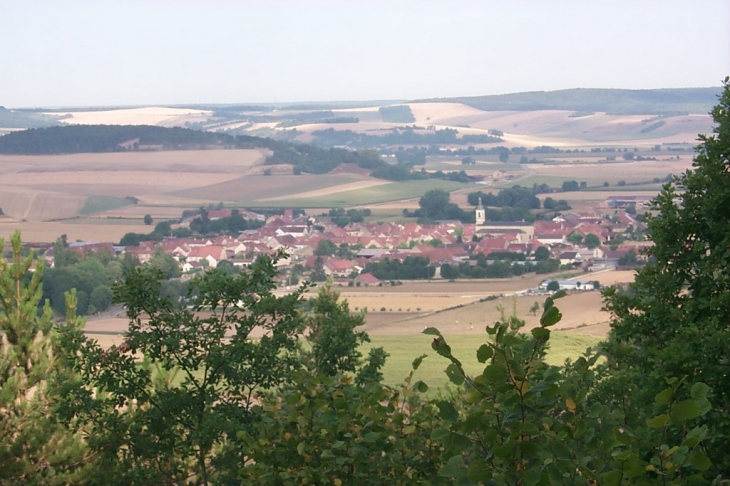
x=411, y=156
x=343, y=217
x=436, y=205
x=504, y=265
x=403, y=172
x=556, y=205
x=514, y=197
x=93, y=273
x=316, y=160
x=232, y=225
x=411, y=268
x=202, y=225
x=396, y=114
x=520, y=199
x=398, y=136
x=190, y=397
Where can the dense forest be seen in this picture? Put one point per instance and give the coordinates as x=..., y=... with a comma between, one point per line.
x=190, y=397
x=109, y=138
x=615, y=101
x=24, y=119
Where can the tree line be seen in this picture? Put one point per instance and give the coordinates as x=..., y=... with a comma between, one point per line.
x=397, y=136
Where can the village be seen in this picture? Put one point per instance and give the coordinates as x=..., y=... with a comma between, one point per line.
x=317, y=249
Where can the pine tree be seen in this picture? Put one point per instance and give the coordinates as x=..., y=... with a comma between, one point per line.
x=34, y=449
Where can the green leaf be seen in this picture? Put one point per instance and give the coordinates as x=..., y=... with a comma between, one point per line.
x=540, y=332
x=455, y=374
x=417, y=362
x=420, y=386
x=449, y=471
x=700, y=461
x=447, y=411
x=432, y=331
x=484, y=352
x=550, y=317
x=478, y=472
x=327, y=454
x=612, y=478
x=685, y=410
x=494, y=372
x=371, y=437
x=658, y=422
x=510, y=340
x=700, y=390
x=301, y=448
x=559, y=294
x=664, y=396
x=293, y=398
x=440, y=433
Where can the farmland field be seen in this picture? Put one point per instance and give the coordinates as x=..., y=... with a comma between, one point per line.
x=404, y=349
x=97, y=204
x=392, y=191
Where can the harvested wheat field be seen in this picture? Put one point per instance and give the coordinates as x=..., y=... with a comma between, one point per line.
x=48, y=231
x=629, y=171
x=42, y=188
x=234, y=161
x=331, y=190
x=133, y=116
x=138, y=211
x=581, y=312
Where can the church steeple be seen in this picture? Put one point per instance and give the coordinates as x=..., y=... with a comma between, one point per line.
x=480, y=214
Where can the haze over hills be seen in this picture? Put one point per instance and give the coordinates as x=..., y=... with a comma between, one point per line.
x=612, y=101
x=566, y=118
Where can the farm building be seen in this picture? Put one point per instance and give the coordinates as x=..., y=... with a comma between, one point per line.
x=570, y=284
x=626, y=201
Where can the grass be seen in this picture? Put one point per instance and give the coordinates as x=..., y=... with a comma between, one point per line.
x=98, y=204
x=372, y=195
x=404, y=349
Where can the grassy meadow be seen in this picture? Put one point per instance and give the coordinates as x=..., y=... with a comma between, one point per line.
x=404, y=349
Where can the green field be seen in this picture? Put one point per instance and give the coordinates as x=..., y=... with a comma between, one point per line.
x=371, y=195
x=404, y=349
x=484, y=162
x=97, y=204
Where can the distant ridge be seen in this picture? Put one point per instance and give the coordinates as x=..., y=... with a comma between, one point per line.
x=614, y=101
x=76, y=139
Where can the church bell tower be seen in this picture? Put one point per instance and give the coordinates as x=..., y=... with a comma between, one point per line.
x=480, y=214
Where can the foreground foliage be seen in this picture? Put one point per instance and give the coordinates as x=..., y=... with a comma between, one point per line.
x=673, y=320
x=175, y=418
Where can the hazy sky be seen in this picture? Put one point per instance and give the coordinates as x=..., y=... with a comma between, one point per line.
x=103, y=52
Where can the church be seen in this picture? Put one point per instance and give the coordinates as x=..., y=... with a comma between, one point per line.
x=524, y=231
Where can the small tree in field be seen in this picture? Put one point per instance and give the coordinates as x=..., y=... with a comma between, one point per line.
x=553, y=286
x=535, y=307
